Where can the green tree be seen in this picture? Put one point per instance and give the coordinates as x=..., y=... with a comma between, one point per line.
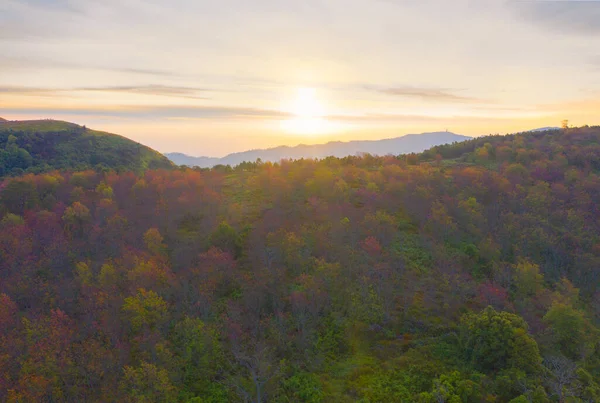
x=105, y=190
x=154, y=242
x=108, y=276
x=453, y=388
x=573, y=334
x=528, y=280
x=11, y=220
x=493, y=341
x=226, y=238
x=147, y=384
x=198, y=355
x=19, y=195
x=84, y=273
x=145, y=310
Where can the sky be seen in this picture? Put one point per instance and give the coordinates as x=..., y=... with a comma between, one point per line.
x=215, y=77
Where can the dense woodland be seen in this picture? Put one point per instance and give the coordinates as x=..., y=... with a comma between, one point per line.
x=469, y=273
x=37, y=146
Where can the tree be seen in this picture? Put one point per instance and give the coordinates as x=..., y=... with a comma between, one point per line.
x=76, y=217
x=452, y=388
x=19, y=195
x=302, y=387
x=528, y=280
x=84, y=273
x=493, y=341
x=199, y=357
x=145, y=310
x=561, y=377
x=147, y=383
x=572, y=332
x=105, y=190
x=257, y=363
x=8, y=311
x=226, y=238
x=154, y=242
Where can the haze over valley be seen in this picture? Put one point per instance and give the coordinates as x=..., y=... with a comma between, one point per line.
x=411, y=143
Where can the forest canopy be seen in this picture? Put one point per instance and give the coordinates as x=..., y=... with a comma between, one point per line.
x=467, y=273
x=37, y=146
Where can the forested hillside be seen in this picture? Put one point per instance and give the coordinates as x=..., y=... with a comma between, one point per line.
x=44, y=145
x=469, y=273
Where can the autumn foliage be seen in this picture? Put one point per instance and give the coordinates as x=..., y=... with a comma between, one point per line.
x=468, y=273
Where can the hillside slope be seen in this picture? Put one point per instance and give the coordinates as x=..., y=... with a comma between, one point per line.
x=411, y=143
x=577, y=147
x=468, y=273
x=43, y=145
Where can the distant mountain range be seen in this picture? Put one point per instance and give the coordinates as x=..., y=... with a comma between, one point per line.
x=411, y=143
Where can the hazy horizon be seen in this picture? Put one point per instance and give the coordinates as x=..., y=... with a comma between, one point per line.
x=208, y=78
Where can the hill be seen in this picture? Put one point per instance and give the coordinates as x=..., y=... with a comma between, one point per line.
x=190, y=161
x=543, y=129
x=466, y=273
x=411, y=143
x=43, y=145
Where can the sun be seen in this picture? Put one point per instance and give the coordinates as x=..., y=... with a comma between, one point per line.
x=308, y=114
x=306, y=105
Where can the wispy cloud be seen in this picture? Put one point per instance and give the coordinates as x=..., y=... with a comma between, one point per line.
x=564, y=16
x=427, y=119
x=381, y=118
x=161, y=90
x=156, y=112
x=137, y=71
x=234, y=83
x=158, y=90
x=225, y=113
x=25, y=90
x=20, y=63
x=425, y=93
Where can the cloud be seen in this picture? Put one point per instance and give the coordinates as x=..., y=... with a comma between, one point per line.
x=566, y=16
x=135, y=71
x=376, y=118
x=156, y=112
x=159, y=90
x=425, y=93
x=20, y=63
x=26, y=90
x=224, y=113
x=381, y=118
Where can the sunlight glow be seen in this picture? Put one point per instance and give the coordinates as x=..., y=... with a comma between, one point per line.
x=306, y=104
x=309, y=115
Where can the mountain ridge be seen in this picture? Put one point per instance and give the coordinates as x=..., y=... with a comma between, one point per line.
x=45, y=145
x=543, y=129
x=408, y=143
